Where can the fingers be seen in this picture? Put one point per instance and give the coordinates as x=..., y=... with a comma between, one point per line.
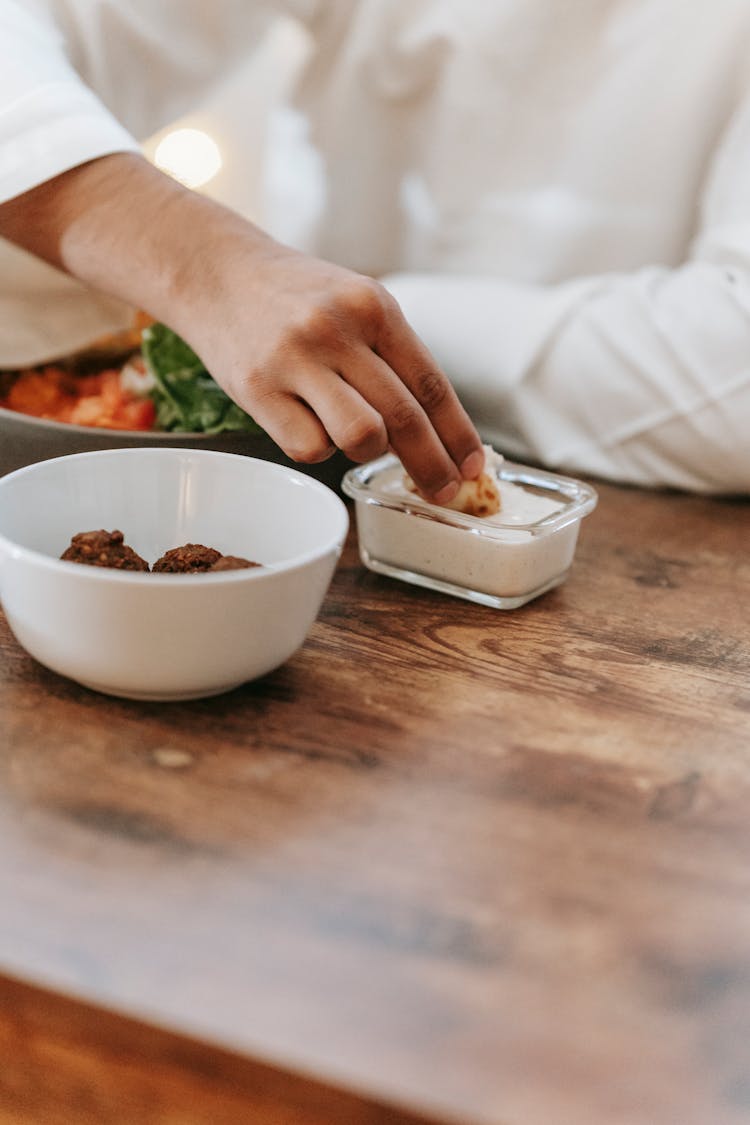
x=294, y=427
x=316, y=412
x=364, y=412
x=319, y=414
x=368, y=340
x=368, y=410
x=361, y=332
x=410, y=432
x=354, y=425
x=406, y=355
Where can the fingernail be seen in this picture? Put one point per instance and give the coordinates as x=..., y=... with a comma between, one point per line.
x=473, y=465
x=448, y=493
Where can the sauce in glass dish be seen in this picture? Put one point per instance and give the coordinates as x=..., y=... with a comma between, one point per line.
x=503, y=560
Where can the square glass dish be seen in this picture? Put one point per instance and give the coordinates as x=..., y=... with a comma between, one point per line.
x=501, y=561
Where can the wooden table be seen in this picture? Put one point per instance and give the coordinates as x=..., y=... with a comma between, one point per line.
x=447, y=865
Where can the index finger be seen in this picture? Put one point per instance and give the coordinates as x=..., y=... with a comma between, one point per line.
x=450, y=427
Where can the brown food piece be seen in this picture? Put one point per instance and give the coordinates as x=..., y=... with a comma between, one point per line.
x=192, y=558
x=233, y=562
x=107, y=548
x=103, y=548
x=480, y=497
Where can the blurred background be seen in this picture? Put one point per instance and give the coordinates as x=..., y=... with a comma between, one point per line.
x=246, y=147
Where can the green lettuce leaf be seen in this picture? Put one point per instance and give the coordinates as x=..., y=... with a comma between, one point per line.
x=187, y=398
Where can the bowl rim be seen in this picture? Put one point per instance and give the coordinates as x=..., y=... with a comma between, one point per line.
x=334, y=542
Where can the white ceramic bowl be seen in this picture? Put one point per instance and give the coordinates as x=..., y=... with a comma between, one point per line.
x=166, y=636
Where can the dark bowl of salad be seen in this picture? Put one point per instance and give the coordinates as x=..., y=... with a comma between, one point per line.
x=118, y=396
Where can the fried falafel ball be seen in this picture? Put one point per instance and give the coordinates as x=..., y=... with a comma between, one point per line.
x=103, y=548
x=192, y=558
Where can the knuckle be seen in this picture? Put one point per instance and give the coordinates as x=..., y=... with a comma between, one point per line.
x=366, y=300
x=405, y=416
x=319, y=325
x=364, y=436
x=328, y=321
x=258, y=380
x=431, y=389
x=254, y=386
x=309, y=452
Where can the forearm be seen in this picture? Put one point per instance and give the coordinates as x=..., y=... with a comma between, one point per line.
x=123, y=228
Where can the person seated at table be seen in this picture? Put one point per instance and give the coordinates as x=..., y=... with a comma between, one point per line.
x=558, y=197
x=320, y=356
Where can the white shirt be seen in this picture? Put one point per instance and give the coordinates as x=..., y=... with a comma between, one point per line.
x=559, y=195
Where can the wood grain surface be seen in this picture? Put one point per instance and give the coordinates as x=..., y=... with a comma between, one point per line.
x=448, y=864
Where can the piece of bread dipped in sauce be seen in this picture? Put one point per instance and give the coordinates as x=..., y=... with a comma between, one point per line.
x=479, y=497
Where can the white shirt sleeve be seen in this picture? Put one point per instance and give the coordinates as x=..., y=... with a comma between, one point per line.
x=49, y=120
x=80, y=79
x=641, y=377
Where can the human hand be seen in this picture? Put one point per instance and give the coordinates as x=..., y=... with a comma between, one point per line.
x=322, y=358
